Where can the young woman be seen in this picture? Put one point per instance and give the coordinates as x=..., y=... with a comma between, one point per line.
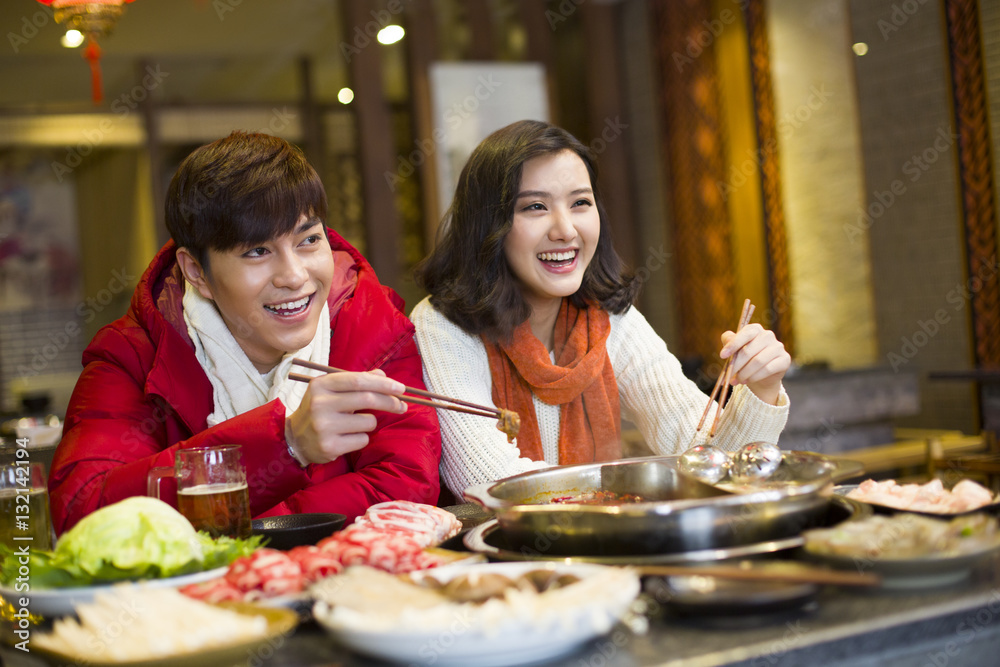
x=530, y=309
x=251, y=279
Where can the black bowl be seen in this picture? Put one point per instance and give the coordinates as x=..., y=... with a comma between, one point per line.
x=295, y=530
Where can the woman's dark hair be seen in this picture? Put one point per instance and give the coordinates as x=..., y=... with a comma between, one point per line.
x=242, y=190
x=467, y=274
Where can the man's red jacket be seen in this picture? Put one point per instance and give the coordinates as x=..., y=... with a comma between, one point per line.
x=143, y=394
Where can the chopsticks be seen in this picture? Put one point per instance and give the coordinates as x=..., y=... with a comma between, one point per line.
x=471, y=408
x=723, y=382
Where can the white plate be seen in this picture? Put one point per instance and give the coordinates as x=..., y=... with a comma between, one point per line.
x=52, y=602
x=463, y=642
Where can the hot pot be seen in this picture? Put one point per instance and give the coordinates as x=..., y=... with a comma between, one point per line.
x=678, y=513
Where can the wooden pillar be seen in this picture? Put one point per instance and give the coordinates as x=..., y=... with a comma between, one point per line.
x=540, y=47
x=422, y=50
x=693, y=146
x=375, y=149
x=481, y=46
x=979, y=206
x=770, y=174
x=153, y=150
x=312, y=128
x=608, y=121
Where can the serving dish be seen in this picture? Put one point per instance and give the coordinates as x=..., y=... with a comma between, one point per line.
x=678, y=513
x=473, y=636
x=279, y=623
x=907, y=550
x=728, y=597
x=288, y=531
x=300, y=603
x=922, y=572
x=879, y=508
x=51, y=602
x=490, y=540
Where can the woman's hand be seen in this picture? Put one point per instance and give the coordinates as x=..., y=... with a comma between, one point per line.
x=335, y=417
x=760, y=360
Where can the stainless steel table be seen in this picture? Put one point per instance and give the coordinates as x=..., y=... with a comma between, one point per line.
x=956, y=625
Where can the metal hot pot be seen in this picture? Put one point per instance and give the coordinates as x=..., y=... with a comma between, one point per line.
x=678, y=513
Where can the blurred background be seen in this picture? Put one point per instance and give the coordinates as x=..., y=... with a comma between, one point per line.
x=832, y=160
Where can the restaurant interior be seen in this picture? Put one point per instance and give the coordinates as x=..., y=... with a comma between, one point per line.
x=832, y=161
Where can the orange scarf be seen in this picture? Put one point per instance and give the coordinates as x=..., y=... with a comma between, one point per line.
x=581, y=381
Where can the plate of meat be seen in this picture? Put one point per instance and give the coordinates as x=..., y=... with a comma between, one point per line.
x=906, y=549
x=268, y=577
x=931, y=499
x=396, y=536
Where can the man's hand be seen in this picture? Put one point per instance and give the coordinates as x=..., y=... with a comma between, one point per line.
x=335, y=417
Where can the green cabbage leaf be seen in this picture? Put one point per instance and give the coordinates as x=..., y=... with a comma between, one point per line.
x=137, y=538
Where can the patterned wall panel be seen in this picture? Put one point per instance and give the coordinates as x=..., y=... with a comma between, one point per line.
x=913, y=210
x=694, y=144
x=822, y=183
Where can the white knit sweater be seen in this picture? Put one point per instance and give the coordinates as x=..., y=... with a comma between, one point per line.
x=652, y=389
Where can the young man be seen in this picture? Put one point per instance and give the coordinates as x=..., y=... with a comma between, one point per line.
x=250, y=280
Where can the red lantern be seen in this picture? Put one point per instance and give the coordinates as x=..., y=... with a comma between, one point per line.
x=93, y=18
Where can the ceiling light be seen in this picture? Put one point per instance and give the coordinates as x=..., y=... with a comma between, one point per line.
x=860, y=48
x=345, y=96
x=72, y=39
x=390, y=34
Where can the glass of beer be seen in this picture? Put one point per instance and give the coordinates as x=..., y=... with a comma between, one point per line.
x=24, y=504
x=211, y=489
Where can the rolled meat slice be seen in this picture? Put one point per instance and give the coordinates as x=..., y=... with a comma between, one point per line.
x=427, y=524
x=268, y=571
x=315, y=562
x=392, y=551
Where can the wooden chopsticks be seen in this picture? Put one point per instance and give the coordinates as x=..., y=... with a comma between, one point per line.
x=471, y=408
x=722, y=384
x=792, y=573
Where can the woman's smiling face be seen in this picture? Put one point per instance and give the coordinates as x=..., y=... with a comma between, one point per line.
x=271, y=296
x=555, y=229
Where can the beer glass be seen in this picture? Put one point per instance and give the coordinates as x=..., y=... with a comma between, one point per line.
x=24, y=505
x=212, y=489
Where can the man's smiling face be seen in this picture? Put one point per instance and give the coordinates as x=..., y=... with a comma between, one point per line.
x=271, y=295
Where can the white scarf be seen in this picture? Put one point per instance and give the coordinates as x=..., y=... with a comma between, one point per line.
x=236, y=385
